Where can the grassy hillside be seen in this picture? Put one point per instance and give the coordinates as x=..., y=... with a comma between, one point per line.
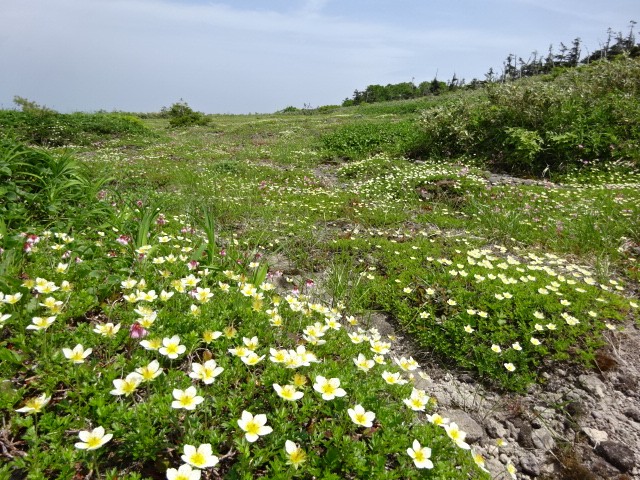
x=268, y=244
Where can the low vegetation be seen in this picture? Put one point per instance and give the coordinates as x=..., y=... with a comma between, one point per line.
x=205, y=298
x=41, y=126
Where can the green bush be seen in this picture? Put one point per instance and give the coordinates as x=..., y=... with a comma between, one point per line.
x=577, y=115
x=48, y=128
x=182, y=115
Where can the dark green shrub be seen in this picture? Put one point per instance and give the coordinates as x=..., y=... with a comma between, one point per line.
x=289, y=109
x=580, y=114
x=52, y=129
x=180, y=114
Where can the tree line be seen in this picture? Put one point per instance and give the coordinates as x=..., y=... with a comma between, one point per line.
x=513, y=67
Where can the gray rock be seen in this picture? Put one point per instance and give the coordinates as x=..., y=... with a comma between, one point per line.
x=593, y=385
x=467, y=424
x=617, y=454
x=543, y=440
x=633, y=413
x=595, y=436
x=525, y=436
x=530, y=464
x=495, y=429
x=512, y=429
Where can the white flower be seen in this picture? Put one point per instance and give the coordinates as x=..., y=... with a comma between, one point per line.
x=296, y=455
x=360, y=417
x=93, y=439
x=457, y=435
x=171, y=347
x=363, y=363
x=107, y=330
x=201, y=457
x=150, y=371
x=34, y=405
x=185, y=472
x=288, y=392
x=329, y=389
x=420, y=455
x=187, y=399
x=41, y=323
x=78, y=354
x=407, y=364
x=206, y=372
x=251, y=358
x=254, y=427
x=128, y=385
x=393, y=378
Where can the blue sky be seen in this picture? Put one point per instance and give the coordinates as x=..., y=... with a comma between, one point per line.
x=260, y=56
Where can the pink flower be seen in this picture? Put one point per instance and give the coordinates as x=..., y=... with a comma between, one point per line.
x=123, y=240
x=137, y=331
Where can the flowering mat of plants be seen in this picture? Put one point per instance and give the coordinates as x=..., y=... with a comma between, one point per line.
x=213, y=320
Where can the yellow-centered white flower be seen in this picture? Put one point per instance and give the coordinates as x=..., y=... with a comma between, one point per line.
x=184, y=472
x=329, y=388
x=288, y=392
x=34, y=405
x=295, y=455
x=150, y=371
x=93, y=439
x=187, y=399
x=78, y=354
x=207, y=372
x=201, y=457
x=171, y=347
x=420, y=455
x=361, y=417
x=128, y=385
x=254, y=427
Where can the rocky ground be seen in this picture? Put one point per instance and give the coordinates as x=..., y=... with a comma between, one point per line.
x=577, y=425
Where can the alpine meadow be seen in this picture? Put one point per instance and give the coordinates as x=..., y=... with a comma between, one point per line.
x=428, y=281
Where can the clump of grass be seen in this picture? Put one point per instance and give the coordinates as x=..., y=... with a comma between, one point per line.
x=42, y=187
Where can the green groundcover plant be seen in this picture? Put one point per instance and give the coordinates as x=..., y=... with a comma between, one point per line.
x=125, y=355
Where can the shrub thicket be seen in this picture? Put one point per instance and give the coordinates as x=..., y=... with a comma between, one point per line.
x=573, y=116
x=45, y=127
